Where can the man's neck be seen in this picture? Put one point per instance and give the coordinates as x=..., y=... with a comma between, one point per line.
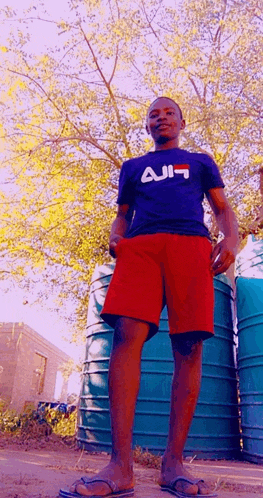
x=170, y=144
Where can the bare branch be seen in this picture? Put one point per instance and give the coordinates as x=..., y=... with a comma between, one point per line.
x=107, y=85
x=151, y=27
x=115, y=64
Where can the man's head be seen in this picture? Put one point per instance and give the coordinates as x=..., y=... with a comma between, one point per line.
x=165, y=122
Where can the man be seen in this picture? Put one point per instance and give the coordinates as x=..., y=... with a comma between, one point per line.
x=164, y=254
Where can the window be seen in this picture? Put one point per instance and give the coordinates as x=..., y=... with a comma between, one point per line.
x=40, y=363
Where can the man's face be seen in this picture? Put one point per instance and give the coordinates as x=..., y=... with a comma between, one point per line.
x=163, y=121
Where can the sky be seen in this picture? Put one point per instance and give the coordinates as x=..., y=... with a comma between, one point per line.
x=12, y=309
x=58, y=8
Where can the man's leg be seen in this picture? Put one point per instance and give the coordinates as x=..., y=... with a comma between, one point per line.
x=124, y=381
x=185, y=389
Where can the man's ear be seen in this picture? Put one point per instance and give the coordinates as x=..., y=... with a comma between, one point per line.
x=183, y=124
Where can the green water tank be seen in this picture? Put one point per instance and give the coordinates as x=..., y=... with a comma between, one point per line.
x=250, y=365
x=214, y=431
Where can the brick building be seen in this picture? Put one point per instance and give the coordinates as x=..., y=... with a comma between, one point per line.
x=29, y=367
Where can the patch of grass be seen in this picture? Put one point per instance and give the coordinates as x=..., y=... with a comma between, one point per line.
x=34, y=425
x=146, y=459
x=63, y=424
x=9, y=420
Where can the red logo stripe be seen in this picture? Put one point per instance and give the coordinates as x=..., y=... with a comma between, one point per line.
x=181, y=166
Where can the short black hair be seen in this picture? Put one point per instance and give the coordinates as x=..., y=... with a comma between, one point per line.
x=164, y=97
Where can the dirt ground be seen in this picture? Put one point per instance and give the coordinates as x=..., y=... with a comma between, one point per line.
x=39, y=468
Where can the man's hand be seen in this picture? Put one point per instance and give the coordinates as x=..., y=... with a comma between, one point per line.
x=223, y=255
x=119, y=227
x=113, y=243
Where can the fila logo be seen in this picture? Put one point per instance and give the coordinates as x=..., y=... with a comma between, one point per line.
x=167, y=172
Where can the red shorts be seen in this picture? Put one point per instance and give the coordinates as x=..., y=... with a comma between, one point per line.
x=154, y=270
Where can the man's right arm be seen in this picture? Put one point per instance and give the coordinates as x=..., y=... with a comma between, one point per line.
x=120, y=226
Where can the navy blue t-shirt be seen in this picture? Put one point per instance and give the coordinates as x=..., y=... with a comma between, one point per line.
x=165, y=189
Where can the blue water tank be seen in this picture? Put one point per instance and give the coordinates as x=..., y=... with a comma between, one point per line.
x=250, y=365
x=214, y=431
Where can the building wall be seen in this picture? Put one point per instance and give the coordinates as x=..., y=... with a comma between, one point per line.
x=23, y=353
x=8, y=361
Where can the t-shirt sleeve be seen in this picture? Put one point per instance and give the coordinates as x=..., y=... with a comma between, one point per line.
x=126, y=188
x=211, y=174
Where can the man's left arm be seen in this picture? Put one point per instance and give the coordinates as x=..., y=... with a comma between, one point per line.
x=224, y=252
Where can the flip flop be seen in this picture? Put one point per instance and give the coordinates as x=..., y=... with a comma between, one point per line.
x=115, y=493
x=212, y=495
x=170, y=488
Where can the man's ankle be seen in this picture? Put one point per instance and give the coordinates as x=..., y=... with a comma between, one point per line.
x=126, y=468
x=171, y=457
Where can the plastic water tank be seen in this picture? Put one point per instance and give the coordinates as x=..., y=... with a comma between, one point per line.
x=250, y=365
x=214, y=431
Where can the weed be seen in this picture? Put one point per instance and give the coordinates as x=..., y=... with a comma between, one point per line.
x=34, y=425
x=146, y=458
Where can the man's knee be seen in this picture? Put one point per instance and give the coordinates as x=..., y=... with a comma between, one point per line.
x=130, y=331
x=187, y=344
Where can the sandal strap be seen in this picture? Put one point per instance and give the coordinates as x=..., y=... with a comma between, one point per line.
x=183, y=478
x=89, y=480
x=199, y=480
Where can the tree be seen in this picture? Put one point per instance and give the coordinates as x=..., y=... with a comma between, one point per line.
x=72, y=114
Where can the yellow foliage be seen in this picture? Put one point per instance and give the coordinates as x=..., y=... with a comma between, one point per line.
x=78, y=111
x=19, y=84
x=257, y=158
x=134, y=112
